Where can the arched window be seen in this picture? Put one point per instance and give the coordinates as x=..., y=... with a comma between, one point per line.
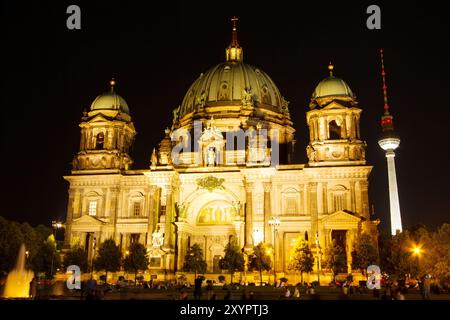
x=290, y=202
x=99, y=141
x=339, y=197
x=334, y=130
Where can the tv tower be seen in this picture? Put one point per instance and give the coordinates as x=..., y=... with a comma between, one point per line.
x=389, y=141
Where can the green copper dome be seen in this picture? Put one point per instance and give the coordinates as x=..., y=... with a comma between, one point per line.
x=110, y=101
x=332, y=86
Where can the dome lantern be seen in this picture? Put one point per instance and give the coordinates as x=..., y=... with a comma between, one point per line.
x=234, y=52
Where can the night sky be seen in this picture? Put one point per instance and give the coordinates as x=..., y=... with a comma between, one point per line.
x=50, y=74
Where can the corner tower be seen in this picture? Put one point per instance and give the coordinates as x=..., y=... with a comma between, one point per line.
x=333, y=120
x=107, y=134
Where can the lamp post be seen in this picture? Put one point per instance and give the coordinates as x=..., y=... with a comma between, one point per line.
x=417, y=251
x=257, y=237
x=55, y=225
x=94, y=243
x=275, y=223
x=319, y=256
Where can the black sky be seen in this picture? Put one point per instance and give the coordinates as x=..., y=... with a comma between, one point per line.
x=50, y=74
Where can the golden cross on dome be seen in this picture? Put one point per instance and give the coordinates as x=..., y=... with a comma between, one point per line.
x=234, y=20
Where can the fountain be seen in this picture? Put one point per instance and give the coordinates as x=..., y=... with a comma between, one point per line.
x=18, y=280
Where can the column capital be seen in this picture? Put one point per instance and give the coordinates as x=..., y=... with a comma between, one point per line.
x=249, y=186
x=267, y=185
x=313, y=184
x=364, y=184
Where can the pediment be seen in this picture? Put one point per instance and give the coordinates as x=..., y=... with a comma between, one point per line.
x=211, y=134
x=341, y=220
x=98, y=118
x=334, y=105
x=87, y=220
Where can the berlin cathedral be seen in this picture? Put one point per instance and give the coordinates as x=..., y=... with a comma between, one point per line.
x=200, y=187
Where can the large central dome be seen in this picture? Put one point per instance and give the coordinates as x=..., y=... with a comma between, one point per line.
x=234, y=90
x=232, y=83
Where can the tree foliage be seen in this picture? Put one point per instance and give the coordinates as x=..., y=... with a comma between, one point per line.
x=260, y=259
x=13, y=235
x=398, y=258
x=136, y=259
x=108, y=257
x=233, y=259
x=194, y=261
x=47, y=260
x=335, y=259
x=364, y=253
x=76, y=256
x=436, y=259
x=301, y=259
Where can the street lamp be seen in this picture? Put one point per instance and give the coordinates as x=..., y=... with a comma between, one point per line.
x=55, y=225
x=275, y=223
x=416, y=250
x=94, y=243
x=319, y=255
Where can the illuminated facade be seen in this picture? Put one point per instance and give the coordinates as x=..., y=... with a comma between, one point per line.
x=209, y=192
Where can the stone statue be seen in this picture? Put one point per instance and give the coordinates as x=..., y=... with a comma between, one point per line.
x=284, y=105
x=211, y=157
x=157, y=238
x=154, y=158
x=247, y=98
x=311, y=153
x=176, y=113
x=201, y=100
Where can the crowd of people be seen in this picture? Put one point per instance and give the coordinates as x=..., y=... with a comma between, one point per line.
x=202, y=288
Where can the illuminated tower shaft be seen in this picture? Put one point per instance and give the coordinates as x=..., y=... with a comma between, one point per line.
x=396, y=219
x=389, y=141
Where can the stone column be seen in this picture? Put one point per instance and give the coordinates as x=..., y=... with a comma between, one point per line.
x=352, y=196
x=151, y=213
x=168, y=220
x=248, y=214
x=112, y=216
x=349, y=246
x=324, y=198
x=364, y=185
x=313, y=209
x=69, y=218
x=267, y=212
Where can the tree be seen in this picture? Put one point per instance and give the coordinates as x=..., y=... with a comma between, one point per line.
x=233, y=260
x=335, y=259
x=260, y=260
x=108, y=257
x=47, y=259
x=10, y=241
x=437, y=253
x=136, y=259
x=76, y=256
x=397, y=258
x=193, y=261
x=13, y=235
x=364, y=253
x=301, y=259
